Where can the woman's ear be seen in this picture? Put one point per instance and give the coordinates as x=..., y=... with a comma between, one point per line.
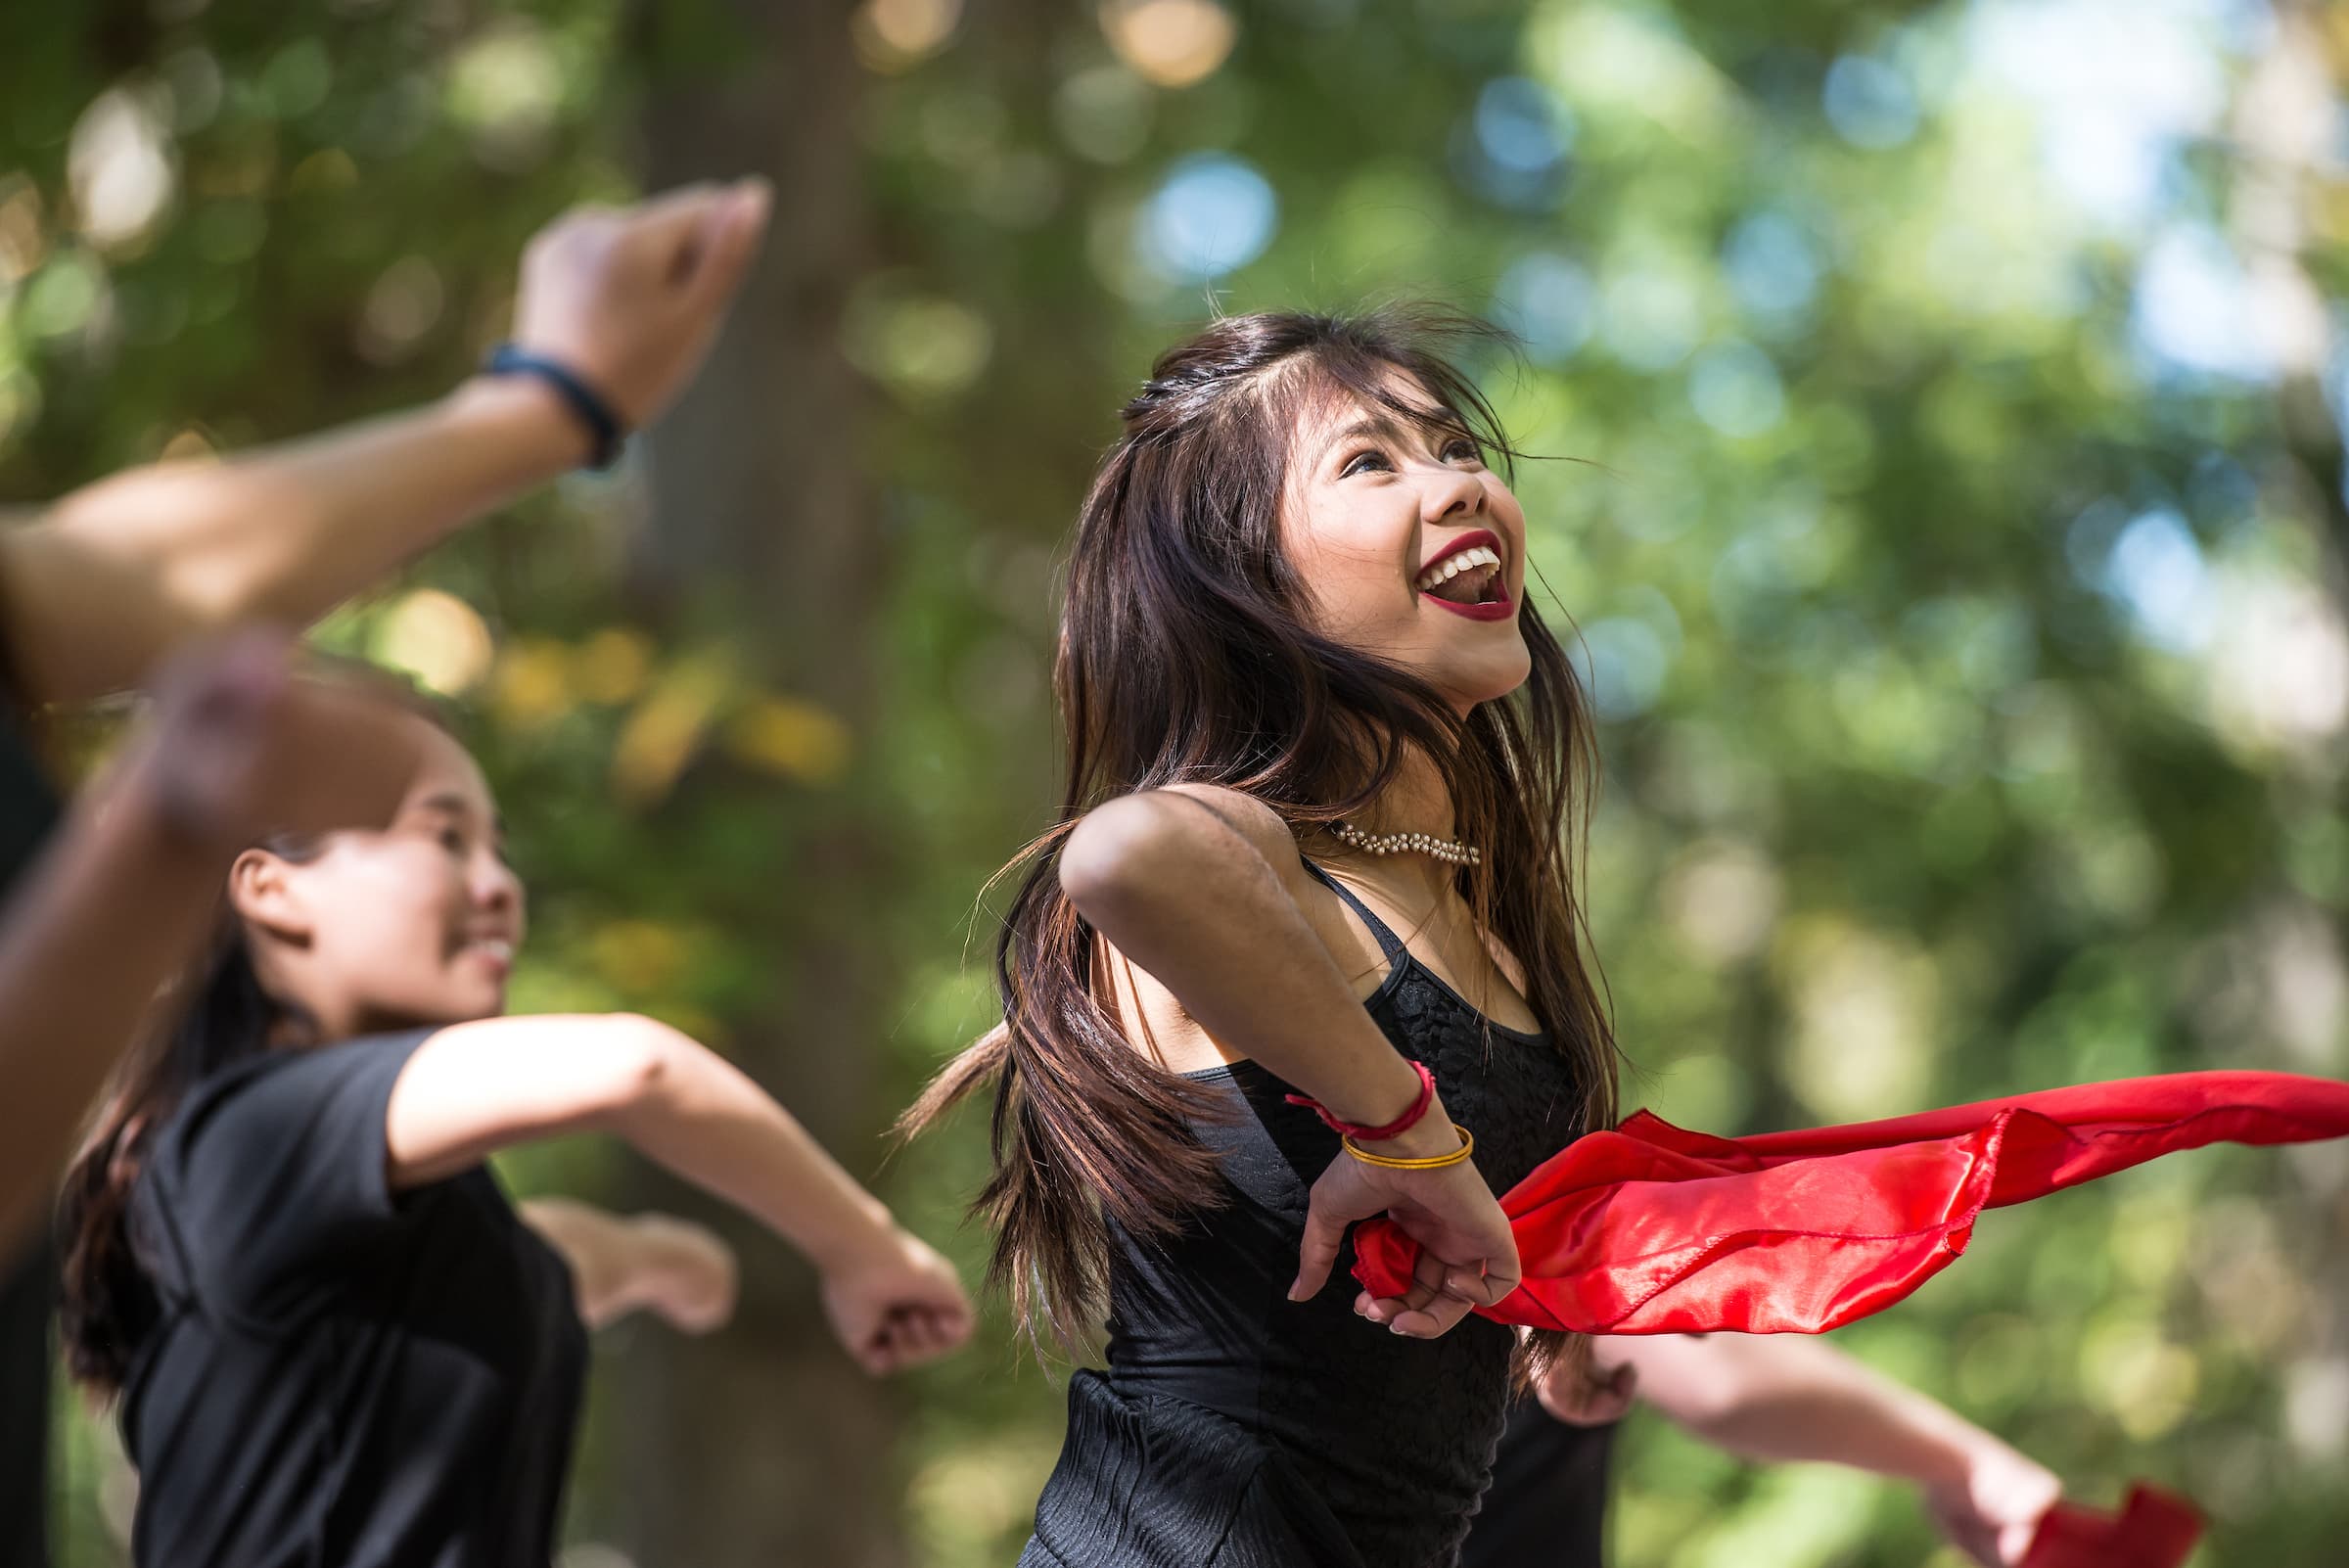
x=263, y=892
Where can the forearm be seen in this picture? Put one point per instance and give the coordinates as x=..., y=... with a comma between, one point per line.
x=116, y=907
x=704, y=1120
x=1786, y=1398
x=282, y=533
x=1191, y=900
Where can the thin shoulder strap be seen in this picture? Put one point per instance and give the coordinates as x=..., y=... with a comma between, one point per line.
x=1388, y=942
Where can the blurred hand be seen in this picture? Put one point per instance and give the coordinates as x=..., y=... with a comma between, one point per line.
x=686, y=1272
x=1992, y=1511
x=1468, y=1256
x=240, y=747
x=631, y=298
x=899, y=1307
x=1579, y=1393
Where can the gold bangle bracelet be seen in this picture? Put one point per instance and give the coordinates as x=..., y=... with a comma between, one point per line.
x=1433, y=1162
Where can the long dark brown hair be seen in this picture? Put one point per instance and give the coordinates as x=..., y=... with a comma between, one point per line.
x=1187, y=657
x=216, y=1014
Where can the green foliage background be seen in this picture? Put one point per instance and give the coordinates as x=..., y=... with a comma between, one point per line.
x=1974, y=652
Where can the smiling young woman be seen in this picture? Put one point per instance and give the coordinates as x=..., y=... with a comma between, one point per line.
x=1305, y=707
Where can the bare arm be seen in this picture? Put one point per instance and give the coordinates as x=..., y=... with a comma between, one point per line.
x=114, y=907
x=620, y=1263
x=477, y=1087
x=1202, y=888
x=123, y=897
x=113, y=577
x=1788, y=1396
x=116, y=575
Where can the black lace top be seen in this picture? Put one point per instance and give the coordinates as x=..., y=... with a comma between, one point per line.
x=1235, y=1427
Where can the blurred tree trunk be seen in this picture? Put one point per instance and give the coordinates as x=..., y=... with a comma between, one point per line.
x=764, y=1445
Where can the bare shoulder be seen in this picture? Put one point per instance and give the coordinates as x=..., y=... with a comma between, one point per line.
x=1231, y=825
x=1249, y=818
x=1354, y=950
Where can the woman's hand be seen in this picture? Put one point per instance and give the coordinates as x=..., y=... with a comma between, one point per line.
x=1992, y=1510
x=637, y=1263
x=1589, y=1391
x=631, y=298
x=240, y=747
x=1468, y=1256
x=898, y=1304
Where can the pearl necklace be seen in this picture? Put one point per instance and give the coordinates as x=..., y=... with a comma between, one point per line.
x=1450, y=851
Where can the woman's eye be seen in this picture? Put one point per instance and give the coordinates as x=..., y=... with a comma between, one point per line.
x=1462, y=446
x=1364, y=463
x=452, y=841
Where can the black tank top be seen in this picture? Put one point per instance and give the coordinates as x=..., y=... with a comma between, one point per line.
x=1336, y=1431
x=1548, y=1505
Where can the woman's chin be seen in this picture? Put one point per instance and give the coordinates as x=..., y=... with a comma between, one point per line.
x=437, y=1012
x=1488, y=682
x=473, y=1006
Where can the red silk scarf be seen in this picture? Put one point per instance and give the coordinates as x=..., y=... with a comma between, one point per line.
x=2154, y=1529
x=1653, y=1229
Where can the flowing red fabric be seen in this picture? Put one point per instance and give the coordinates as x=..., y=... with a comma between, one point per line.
x=2153, y=1530
x=1653, y=1229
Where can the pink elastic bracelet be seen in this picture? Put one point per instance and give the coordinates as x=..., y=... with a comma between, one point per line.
x=1374, y=1135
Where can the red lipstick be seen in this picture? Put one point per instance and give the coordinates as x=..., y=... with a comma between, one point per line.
x=1499, y=608
x=1466, y=541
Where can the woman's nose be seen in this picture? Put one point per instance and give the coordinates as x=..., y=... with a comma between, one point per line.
x=495, y=886
x=1451, y=493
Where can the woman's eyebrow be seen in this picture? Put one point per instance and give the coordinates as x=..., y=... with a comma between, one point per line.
x=1370, y=426
x=1386, y=426
x=450, y=804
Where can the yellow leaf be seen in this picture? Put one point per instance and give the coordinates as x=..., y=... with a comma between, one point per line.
x=792, y=738
x=637, y=956
x=534, y=682
x=665, y=729
x=614, y=664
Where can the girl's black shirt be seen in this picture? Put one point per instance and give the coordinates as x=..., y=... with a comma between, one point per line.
x=339, y=1375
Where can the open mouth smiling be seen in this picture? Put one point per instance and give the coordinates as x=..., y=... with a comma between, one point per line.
x=496, y=951
x=1466, y=578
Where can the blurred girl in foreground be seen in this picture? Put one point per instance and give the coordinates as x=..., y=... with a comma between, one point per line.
x=333, y=1338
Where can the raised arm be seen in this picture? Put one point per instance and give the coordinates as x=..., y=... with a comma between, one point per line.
x=1204, y=889
x=475, y=1087
x=1787, y=1397
x=102, y=585
x=124, y=894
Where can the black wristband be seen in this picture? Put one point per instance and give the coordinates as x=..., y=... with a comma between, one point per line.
x=603, y=430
